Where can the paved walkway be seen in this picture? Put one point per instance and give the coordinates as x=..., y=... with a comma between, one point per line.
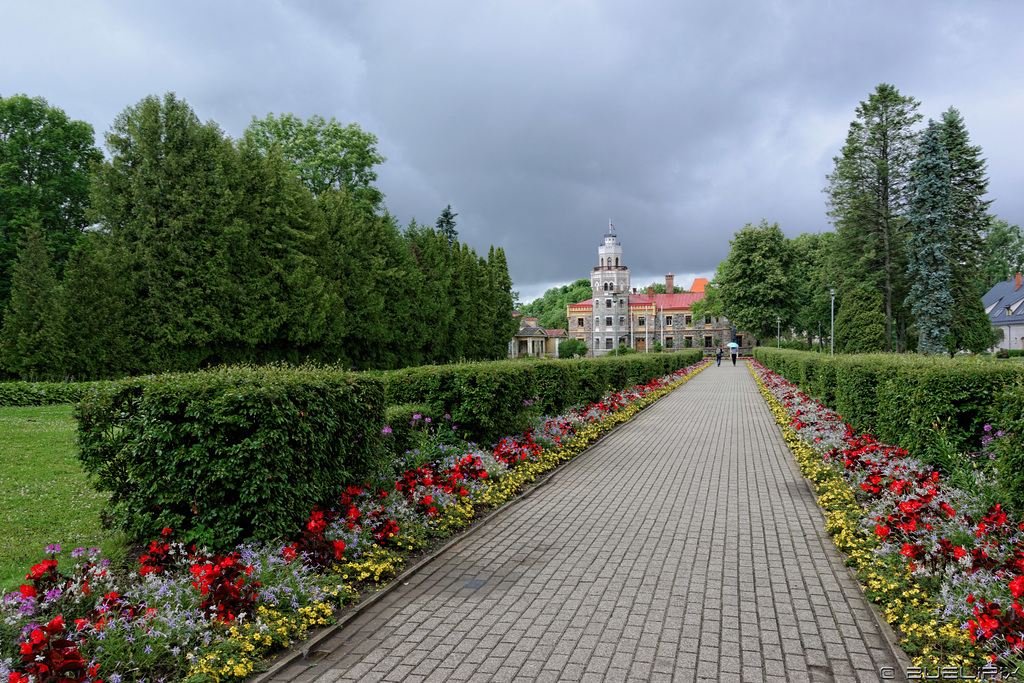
x=684, y=546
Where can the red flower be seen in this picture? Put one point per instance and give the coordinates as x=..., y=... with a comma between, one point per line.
x=1017, y=587
x=882, y=531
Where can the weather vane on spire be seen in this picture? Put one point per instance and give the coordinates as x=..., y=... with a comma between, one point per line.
x=611, y=228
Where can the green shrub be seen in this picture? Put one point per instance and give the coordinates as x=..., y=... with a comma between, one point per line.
x=1008, y=414
x=43, y=393
x=556, y=386
x=230, y=454
x=406, y=423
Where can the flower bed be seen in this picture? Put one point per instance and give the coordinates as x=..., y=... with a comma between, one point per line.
x=944, y=562
x=190, y=614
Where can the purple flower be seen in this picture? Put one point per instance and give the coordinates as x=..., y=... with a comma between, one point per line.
x=53, y=549
x=386, y=430
x=77, y=552
x=428, y=420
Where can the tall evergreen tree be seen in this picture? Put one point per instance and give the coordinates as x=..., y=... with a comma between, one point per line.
x=102, y=341
x=32, y=341
x=446, y=224
x=970, y=327
x=504, y=325
x=356, y=258
x=162, y=196
x=433, y=313
x=969, y=218
x=868, y=193
x=929, y=270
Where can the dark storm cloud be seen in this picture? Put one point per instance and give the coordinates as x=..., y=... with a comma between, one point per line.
x=539, y=121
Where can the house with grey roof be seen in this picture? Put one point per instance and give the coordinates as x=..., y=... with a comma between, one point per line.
x=1004, y=304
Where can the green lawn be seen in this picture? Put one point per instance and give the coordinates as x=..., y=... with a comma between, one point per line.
x=45, y=497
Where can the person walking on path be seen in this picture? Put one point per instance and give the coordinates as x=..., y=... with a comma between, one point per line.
x=733, y=353
x=718, y=356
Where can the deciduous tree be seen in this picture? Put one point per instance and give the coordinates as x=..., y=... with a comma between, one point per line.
x=325, y=154
x=44, y=178
x=753, y=283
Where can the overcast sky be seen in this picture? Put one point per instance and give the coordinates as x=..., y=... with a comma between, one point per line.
x=540, y=120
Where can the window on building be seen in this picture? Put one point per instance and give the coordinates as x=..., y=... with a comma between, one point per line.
x=597, y=322
x=579, y=322
x=607, y=342
x=602, y=263
x=708, y=340
x=707, y=320
x=622, y=302
x=608, y=321
x=606, y=286
x=641, y=321
x=668, y=321
x=687, y=342
x=688, y=320
x=668, y=342
x=622, y=321
x=607, y=303
x=616, y=260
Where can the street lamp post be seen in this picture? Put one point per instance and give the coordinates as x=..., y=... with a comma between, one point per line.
x=778, y=332
x=832, y=335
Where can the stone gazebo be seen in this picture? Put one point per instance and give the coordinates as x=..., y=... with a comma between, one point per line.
x=533, y=340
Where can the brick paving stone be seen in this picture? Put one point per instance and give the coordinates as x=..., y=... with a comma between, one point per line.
x=683, y=546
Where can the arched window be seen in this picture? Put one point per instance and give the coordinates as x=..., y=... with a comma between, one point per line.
x=616, y=260
x=602, y=262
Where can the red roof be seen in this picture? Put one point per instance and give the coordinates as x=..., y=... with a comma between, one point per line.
x=556, y=332
x=678, y=301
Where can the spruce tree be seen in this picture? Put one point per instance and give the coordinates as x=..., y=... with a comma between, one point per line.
x=446, y=224
x=969, y=216
x=929, y=270
x=32, y=341
x=970, y=327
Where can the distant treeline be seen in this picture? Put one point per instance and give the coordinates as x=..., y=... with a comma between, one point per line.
x=185, y=248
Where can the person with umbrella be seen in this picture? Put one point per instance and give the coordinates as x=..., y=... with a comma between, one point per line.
x=733, y=350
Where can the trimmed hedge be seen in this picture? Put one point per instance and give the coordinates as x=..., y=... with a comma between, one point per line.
x=44, y=393
x=902, y=399
x=230, y=454
x=492, y=400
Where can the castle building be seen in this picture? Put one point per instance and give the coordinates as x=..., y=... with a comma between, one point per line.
x=617, y=314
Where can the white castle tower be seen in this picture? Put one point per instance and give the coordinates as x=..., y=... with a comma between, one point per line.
x=610, y=276
x=609, y=283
